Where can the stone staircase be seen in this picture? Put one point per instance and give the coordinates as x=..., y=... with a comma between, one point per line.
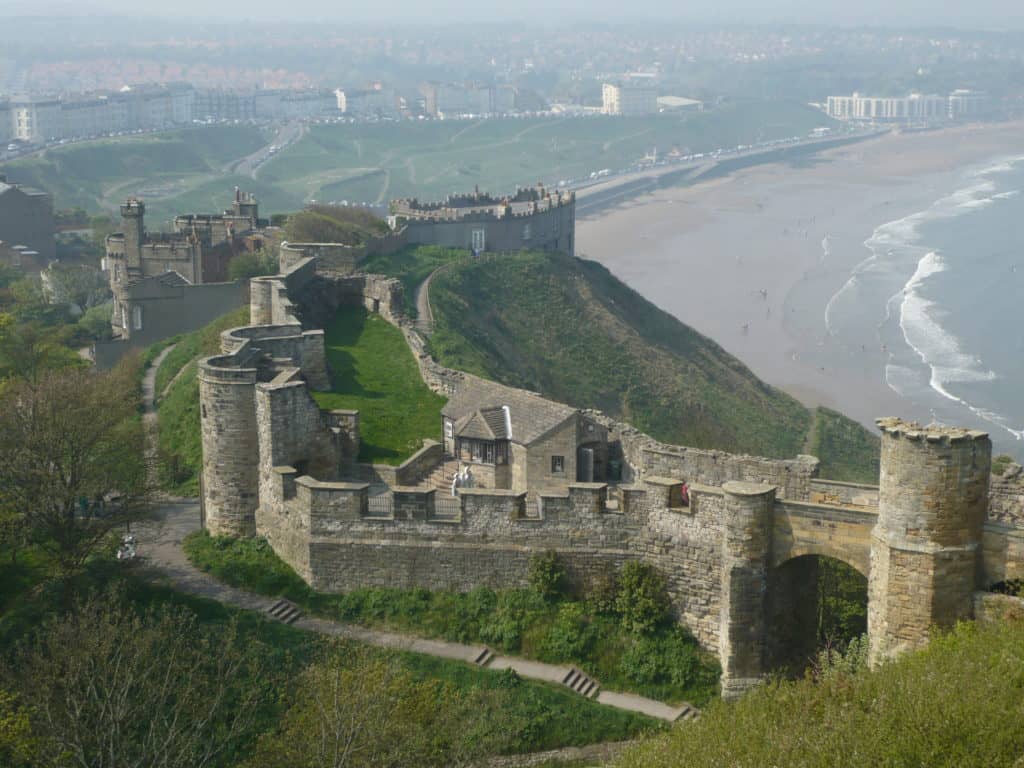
x=441, y=476
x=579, y=682
x=284, y=611
x=688, y=713
x=485, y=657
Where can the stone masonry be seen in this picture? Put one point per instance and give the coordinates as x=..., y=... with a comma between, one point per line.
x=735, y=558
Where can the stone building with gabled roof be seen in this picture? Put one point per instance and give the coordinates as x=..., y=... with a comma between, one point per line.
x=517, y=440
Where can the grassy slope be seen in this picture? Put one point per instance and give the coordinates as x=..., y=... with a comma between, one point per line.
x=958, y=703
x=431, y=159
x=80, y=174
x=180, y=441
x=847, y=450
x=515, y=621
x=412, y=266
x=569, y=329
x=374, y=371
x=553, y=716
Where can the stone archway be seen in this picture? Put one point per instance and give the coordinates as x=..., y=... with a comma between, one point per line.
x=804, y=595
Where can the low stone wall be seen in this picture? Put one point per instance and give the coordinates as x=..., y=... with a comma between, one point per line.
x=846, y=494
x=989, y=606
x=1006, y=496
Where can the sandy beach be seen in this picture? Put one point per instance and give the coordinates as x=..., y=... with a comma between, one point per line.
x=743, y=259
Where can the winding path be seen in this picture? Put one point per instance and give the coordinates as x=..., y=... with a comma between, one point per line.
x=424, y=313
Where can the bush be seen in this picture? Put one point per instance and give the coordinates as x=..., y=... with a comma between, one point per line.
x=1000, y=464
x=671, y=658
x=642, y=600
x=247, y=265
x=514, y=611
x=602, y=593
x=96, y=321
x=570, y=637
x=547, y=576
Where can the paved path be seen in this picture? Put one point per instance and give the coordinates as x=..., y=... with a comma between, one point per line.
x=424, y=314
x=160, y=549
x=149, y=416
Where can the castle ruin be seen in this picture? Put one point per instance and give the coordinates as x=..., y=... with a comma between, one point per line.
x=930, y=538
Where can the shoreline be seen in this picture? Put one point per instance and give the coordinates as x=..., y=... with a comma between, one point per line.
x=743, y=258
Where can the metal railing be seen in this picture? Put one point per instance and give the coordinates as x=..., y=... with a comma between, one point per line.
x=381, y=505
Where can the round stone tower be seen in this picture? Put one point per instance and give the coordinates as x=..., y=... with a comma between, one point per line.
x=230, y=481
x=926, y=545
x=746, y=552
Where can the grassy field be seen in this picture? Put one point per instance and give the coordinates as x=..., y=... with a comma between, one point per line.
x=97, y=175
x=373, y=163
x=374, y=372
x=184, y=171
x=666, y=664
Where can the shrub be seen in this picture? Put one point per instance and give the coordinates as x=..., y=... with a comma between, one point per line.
x=570, y=637
x=668, y=659
x=642, y=600
x=1000, y=464
x=514, y=611
x=602, y=593
x=832, y=662
x=547, y=576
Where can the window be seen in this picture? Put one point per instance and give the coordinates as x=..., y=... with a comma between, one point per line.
x=137, y=318
x=558, y=465
x=479, y=240
x=526, y=232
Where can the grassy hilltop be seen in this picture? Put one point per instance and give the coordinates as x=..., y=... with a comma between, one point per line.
x=569, y=329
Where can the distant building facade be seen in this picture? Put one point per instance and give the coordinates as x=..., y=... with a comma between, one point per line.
x=630, y=97
x=26, y=220
x=913, y=108
x=532, y=219
x=165, y=284
x=471, y=98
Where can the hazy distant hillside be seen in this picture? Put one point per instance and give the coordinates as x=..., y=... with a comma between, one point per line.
x=568, y=328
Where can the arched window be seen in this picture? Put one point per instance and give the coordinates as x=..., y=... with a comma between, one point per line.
x=136, y=318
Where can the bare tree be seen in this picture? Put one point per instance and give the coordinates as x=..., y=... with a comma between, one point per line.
x=108, y=687
x=72, y=462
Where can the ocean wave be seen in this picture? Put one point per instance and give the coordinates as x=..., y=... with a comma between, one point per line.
x=939, y=349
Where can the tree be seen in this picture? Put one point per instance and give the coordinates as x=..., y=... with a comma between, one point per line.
x=77, y=285
x=18, y=746
x=72, y=458
x=28, y=350
x=359, y=708
x=107, y=687
x=246, y=265
x=642, y=602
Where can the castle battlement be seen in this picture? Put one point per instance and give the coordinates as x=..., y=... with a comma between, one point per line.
x=735, y=549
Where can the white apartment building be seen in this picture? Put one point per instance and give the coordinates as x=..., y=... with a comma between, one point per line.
x=915, y=107
x=629, y=97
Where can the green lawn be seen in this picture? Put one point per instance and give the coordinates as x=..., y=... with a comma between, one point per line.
x=666, y=664
x=847, y=450
x=373, y=371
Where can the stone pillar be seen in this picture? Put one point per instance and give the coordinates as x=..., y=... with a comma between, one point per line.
x=746, y=553
x=926, y=545
x=261, y=307
x=230, y=449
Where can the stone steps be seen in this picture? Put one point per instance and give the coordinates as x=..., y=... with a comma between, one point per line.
x=284, y=611
x=581, y=684
x=485, y=657
x=688, y=713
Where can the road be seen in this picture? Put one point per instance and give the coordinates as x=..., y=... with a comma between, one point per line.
x=287, y=133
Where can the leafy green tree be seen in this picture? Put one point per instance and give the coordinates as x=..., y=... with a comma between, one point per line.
x=18, y=745
x=72, y=459
x=108, y=687
x=96, y=320
x=28, y=350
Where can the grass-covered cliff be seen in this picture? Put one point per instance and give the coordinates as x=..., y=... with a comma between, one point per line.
x=569, y=329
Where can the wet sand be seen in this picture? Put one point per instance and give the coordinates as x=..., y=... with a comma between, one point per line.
x=741, y=258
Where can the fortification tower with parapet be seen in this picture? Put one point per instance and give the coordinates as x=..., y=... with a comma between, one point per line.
x=926, y=545
x=746, y=550
x=133, y=213
x=230, y=450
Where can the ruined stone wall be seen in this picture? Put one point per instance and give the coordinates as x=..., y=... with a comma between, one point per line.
x=1006, y=496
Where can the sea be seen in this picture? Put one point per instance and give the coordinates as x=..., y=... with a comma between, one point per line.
x=941, y=292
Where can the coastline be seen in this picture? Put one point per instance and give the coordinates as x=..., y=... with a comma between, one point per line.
x=744, y=259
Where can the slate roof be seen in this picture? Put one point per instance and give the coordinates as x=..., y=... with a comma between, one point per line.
x=477, y=410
